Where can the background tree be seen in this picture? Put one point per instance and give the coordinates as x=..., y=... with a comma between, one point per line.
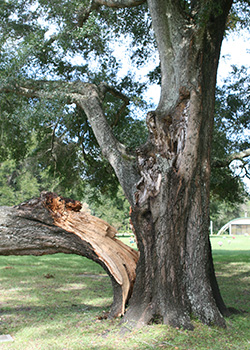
x=230, y=141
x=165, y=179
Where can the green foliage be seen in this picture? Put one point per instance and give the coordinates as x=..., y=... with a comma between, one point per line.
x=51, y=141
x=16, y=184
x=113, y=210
x=232, y=115
x=14, y=130
x=239, y=16
x=234, y=99
x=225, y=185
x=43, y=40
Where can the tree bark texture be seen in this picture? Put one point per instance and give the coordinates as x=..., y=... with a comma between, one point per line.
x=52, y=224
x=175, y=273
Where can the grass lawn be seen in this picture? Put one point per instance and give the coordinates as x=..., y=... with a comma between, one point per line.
x=57, y=302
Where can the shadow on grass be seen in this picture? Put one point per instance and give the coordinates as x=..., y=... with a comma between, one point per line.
x=77, y=289
x=64, y=312
x=45, y=325
x=233, y=274
x=15, y=318
x=36, y=310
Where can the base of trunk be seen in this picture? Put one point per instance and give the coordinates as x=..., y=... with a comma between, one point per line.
x=175, y=279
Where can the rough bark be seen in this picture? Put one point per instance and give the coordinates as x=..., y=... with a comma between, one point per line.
x=175, y=273
x=51, y=224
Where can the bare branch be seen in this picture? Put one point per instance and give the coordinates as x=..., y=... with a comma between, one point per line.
x=119, y=3
x=104, y=88
x=240, y=155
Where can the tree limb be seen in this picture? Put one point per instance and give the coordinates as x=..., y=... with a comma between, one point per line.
x=85, y=11
x=119, y=3
x=52, y=224
x=122, y=162
x=89, y=98
x=217, y=163
x=104, y=88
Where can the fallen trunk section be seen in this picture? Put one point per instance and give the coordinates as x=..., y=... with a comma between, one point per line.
x=52, y=224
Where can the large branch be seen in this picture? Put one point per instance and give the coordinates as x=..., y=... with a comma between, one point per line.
x=51, y=224
x=119, y=3
x=122, y=162
x=85, y=11
x=89, y=98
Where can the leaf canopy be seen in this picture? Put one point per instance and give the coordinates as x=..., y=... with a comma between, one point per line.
x=60, y=41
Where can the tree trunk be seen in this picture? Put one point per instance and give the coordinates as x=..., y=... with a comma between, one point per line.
x=52, y=224
x=175, y=273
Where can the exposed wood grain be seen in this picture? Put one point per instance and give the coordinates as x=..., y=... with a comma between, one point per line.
x=52, y=224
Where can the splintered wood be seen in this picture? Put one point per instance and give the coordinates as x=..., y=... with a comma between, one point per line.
x=119, y=258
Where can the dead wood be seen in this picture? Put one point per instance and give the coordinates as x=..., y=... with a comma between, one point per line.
x=52, y=224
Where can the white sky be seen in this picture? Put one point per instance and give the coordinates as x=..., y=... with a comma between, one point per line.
x=235, y=51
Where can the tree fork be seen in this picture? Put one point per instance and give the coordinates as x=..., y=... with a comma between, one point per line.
x=52, y=224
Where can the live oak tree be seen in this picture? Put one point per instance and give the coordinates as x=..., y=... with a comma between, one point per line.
x=165, y=179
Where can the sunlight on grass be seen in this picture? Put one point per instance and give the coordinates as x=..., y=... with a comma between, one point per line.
x=230, y=243
x=58, y=302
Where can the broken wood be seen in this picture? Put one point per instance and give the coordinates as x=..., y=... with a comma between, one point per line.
x=52, y=224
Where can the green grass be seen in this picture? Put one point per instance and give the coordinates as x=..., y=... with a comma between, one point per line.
x=64, y=312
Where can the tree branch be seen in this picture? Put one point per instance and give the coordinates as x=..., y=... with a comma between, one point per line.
x=119, y=3
x=123, y=163
x=89, y=98
x=104, y=88
x=84, y=12
x=217, y=163
x=52, y=224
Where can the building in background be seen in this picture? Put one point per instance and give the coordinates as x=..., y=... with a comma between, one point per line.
x=239, y=226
